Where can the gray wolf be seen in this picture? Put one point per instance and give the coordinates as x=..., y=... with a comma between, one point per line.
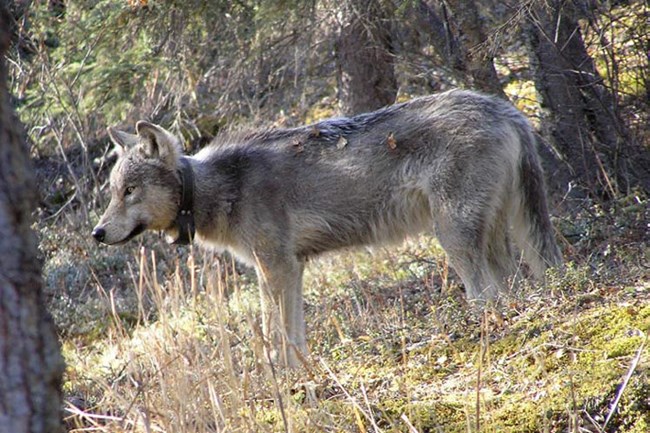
x=460, y=164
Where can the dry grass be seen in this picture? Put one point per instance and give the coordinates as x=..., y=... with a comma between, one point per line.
x=391, y=352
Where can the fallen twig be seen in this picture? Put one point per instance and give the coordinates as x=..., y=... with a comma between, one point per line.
x=628, y=376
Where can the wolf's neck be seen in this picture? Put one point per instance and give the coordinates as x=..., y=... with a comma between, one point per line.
x=215, y=198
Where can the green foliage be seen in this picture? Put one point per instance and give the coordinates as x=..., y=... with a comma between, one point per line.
x=90, y=67
x=107, y=62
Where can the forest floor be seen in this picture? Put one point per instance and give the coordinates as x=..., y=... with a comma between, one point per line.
x=165, y=339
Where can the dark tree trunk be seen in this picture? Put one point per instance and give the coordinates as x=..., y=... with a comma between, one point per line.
x=473, y=61
x=31, y=366
x=366, y=70
x=582, y=123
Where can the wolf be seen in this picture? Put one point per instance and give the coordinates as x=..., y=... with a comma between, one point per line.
x=460, y=164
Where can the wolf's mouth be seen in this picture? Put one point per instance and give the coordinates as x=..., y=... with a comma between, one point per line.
x=136, y=231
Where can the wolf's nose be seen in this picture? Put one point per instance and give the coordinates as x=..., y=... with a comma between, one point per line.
x=99, y=234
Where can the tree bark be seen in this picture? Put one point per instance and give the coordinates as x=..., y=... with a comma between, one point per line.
x=366, y=70
x=31, y=366
x=583, y=124
x=473, y=62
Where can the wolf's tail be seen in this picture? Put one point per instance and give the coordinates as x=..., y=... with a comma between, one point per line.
x=533, y=229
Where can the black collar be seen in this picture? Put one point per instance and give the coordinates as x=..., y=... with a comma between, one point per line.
x=185, y=218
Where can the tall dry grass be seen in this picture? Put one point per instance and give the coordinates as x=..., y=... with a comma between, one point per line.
x=194, y=360
x=394, y=348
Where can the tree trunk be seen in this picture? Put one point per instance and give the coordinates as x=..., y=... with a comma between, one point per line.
x=582, y=123
x=31, y=366
x=474, y=61
x=366, y=69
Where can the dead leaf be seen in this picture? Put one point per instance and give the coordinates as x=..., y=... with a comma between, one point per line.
x=315, y=132
x=342, y=142
x=391, y=142
x=299, y=147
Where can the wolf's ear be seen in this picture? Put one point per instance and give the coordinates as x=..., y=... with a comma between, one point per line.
x=122, y=140
x=159, y=143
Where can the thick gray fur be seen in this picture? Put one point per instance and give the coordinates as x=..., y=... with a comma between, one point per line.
x=461, y=163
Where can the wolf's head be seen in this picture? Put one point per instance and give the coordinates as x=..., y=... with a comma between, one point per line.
x=145, y=185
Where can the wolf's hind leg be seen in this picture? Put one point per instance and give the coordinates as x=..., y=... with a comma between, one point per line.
x=500, y=256
x=466, y=248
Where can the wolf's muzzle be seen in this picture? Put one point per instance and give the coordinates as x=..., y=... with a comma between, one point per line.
x=99, y=233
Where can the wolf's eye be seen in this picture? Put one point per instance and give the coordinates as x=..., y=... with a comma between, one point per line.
x=129, y=190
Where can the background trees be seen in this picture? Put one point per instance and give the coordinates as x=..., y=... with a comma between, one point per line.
x=365, y=56
x=584, y=113
x=201, y=65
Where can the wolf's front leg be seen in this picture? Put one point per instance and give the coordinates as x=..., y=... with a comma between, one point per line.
x=283, y=319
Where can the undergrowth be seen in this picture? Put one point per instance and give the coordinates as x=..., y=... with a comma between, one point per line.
x=394, y=348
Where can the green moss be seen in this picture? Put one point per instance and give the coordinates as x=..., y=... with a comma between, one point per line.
x=520, y=416
x=582, y=358
x=423, y=415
